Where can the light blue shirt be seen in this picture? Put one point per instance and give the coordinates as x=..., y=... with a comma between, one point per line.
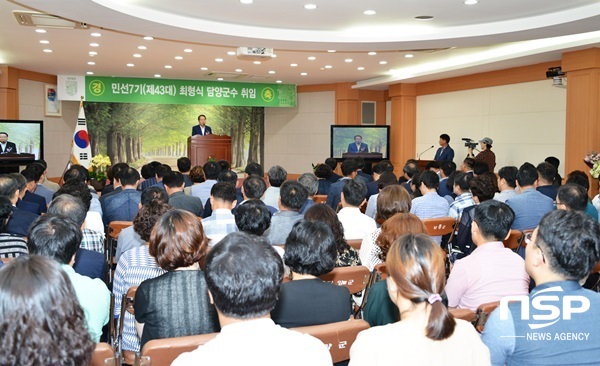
x=202, y=190
x=430, y=206
x=529, y=207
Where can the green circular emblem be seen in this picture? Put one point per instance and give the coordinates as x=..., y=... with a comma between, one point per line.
x=268, y=95
x=97, y=88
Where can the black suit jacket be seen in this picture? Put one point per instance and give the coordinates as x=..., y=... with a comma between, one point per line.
x=11, y=148
x=37, y=199
x=372, y=188
x=34, y=208
x=20, y=221
x=196, y=130
x=89, y=263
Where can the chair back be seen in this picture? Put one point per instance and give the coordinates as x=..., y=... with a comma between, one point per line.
x=514, y=240
x=464, y=314
x=320, y=198
x=355, y=278
x=338, y=337
x=381, y=271
x=163, y=352
x=440, y=226
x=6, y=260
x=115, y=228
x=355, y=243
x=101, y=352
x=129, y=300
x=483, y=313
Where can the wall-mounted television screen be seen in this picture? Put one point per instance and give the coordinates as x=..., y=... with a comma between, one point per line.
x=25, y=141
x=369, y=142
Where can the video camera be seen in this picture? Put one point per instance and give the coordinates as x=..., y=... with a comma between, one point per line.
x=470, y=143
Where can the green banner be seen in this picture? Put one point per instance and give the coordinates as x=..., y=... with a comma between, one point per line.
x=164, y=91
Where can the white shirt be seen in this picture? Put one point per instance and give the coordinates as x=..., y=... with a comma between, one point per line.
x=369, y=250
x=356, y=224
x=93, y=221
x=202, y=190
x=271, y=197
x=258, y=342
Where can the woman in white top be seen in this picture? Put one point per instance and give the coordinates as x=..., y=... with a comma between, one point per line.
x=427, y=333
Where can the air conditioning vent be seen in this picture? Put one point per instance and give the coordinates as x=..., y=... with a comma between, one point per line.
x=225, y=75
x=42, y=20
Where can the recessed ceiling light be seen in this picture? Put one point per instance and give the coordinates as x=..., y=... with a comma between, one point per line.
x=360, y=68
x=95, y=34
x=471, y=2
x=168, y=67
x=271, y=71
x=142, y=48
x=328, y=67
x=238, y=70
x=92, y=53
x=279, y=81
x=178, y=57
x=204, y=68
x=47, y=50
x=91, y=63
x=246, y=1
x=310, y=6
x=90, y=73
x=273, y=56
x=312, y=58
x=94, y=45
x=220, y=79
x=137, y=55
x=218, y=60
x=43, y=41
x=424, y=17
x=331, y=51
x=383, y=62
x=372, y=53
x=257, y=62
x=157, y=75
x=188, y=50
x=293, y=65
x=369, y=12
x=348, y=60
x=40, y=30
x=409, y=55
x=148, y=38
x=130, y=65
x=231, y=53
x=303, y=73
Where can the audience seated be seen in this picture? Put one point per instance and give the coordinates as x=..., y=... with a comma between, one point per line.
x=254, y=188
x=11, y=246
x=137, y=265
x=346, y=255
x=243, y=275
x=557, y=181
x=310, y=252
x=529, y=205
x=221, y=222
x=39, y=174
x=580, y=178
x=226, y=176
x=571, y=197
x=480, y=167
x=385, y=179
x=430, y=205
x=117, y=171
x=446, y=169
x=197, y=177
x=409, y=171
x=364, y=177
x=563, y=250
x=184, y=164
x=356, y=224
x=467, y=166
x=276, y=175
x=545, y=184
x=507, y=182
x=174, y=183
x=31, y=207
x=41, y=320
x=310, y=182
x=390, y=201
x=148, y=174
x=252, y=169
x=124, y=205
x=176, y=303
x=349, y=170
x=253, y=217
x=81, y=173
x=211, y=173
x=463, y=198
x=59, y=237
x=427, y=334
x=293, y=196
x=596, y=200
x=378, y=169
x=48, y=183
x=19, y=221
x=323, y=173
x=160, y=172
x=333, y=164
x=30, y=187
x=491, y=271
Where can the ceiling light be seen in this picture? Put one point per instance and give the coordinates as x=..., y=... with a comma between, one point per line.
x=328, y=67
x=95, y=34
x=391, y=71
x=218, y=60
x=91, y=63
x=331, y=51
x=40, y=30
x=231, y=53
x=409, y=55
x=220, y=79
x=360, y=68
x=148, y=38
x=188, y=50
x=279, y=81
x=238, y=70
x=204, y=68
x=92, y=53
x=178, y=57
x=130, y=65
x=142, y=48
x=43, y=41
x=157, y=75
x=90, y=73
x=312, y=58
x=47, y=50
x=137, y=55
x=424, y=17
x=94, y=45
x=273, y=55
x=372, y=53
x=257, y=62
x=348, y=60
x=310, y=6
x=271, y=72
x=303, y=73
x=293, y=65
x=369, y=12
x=383, y=62
x=471, y=2
x=168, y=67
x=246, y=1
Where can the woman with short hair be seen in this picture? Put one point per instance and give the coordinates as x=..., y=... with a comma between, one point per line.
x=11, y=246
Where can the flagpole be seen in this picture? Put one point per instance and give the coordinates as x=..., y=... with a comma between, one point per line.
x=68, y=165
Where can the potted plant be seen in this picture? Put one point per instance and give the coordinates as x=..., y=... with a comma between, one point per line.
x=98, y=168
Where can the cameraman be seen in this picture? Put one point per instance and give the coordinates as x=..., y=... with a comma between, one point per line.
x=486, y=155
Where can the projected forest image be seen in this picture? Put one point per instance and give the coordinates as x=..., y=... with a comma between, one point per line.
x=139, y=133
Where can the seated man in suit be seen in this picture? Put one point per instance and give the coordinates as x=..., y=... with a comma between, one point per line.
x=350, y=171
x=358, y=146
x=293, y=197
x=202, y=129
x=529, y=205
x=123, y=206
x=34, y=208
x=20, y=220
x=174, y=184
x=311, y=183
x=254, y=188
x=7, y=147
x=30, y=188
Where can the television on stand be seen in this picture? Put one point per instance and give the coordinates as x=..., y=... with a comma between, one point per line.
x=371, y=143
x=28, y=140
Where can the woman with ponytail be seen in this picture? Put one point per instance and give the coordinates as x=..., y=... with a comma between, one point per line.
x=426, y=334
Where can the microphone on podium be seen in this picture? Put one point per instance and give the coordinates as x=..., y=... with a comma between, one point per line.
x=426, y=150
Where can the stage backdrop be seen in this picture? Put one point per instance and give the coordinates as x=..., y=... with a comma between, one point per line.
x=136, y=133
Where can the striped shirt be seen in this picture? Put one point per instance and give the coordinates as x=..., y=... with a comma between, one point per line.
x=430, y=206
x=460, y=203
x=12, y=246
x=134, y=267
x=218, y=225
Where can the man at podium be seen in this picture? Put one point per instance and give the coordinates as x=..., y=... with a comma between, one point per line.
x=358, y=146
x=7, y=147
x=202, y=128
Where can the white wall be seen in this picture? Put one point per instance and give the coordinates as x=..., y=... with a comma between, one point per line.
x=297, y=137
x=526, y=121
x=58, y=131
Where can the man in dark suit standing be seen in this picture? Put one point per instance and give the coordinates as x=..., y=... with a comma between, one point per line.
x=358, y=146
x=202, y=128
x=445, y=152
x=7, y=147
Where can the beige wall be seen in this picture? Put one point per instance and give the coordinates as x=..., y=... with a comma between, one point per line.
x=58, y=131
x=297, y=137
x=526, y=121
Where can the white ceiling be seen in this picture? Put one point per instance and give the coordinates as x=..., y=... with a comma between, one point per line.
x=486, y=36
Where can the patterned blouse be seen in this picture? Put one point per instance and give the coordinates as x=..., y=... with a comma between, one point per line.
x=348, y=258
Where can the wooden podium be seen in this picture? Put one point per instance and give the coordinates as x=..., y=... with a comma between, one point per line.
x=200, y=148
x=422, y=164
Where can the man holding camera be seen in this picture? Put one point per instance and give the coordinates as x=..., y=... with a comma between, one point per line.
x=486, y=155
